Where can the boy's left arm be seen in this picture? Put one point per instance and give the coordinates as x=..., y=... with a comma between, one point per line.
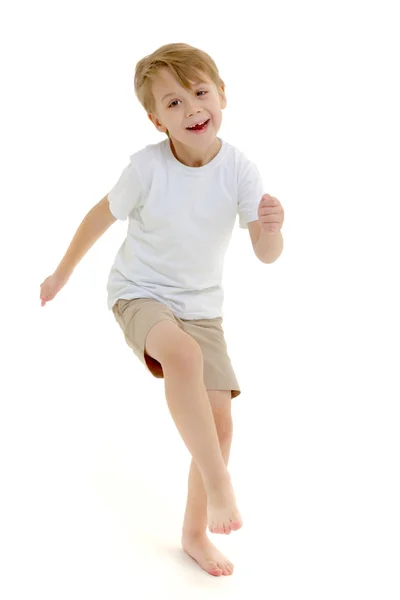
x=266, y=233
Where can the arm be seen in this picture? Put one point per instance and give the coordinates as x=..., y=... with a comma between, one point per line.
x=94, y=224
x=268, y=247
x=269, y=241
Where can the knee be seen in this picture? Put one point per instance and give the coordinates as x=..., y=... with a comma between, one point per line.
x=186, y=358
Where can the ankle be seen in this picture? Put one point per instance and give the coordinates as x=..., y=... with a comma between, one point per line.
x=193, y=534
x=218, y=483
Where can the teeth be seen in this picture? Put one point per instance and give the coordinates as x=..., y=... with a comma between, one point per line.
x=197, y=124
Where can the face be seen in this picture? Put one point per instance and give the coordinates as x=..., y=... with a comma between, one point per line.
x=183, y=108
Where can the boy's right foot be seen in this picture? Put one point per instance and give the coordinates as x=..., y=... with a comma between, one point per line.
x=222, y=512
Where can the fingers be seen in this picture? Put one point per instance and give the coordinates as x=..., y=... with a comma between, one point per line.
x=270, y=219
x=270, y=200
x=268, y=210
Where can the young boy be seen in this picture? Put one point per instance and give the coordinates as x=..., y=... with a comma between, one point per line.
x=182, y=197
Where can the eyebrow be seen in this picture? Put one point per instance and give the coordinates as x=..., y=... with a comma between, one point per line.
x=176, y=93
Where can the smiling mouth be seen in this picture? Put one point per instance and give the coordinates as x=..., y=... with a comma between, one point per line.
x=198, y=127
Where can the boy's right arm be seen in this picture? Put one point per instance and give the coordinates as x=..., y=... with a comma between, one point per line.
x=94, y=224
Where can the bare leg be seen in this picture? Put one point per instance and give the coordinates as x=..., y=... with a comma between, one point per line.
x=194, y=534
x=190, y=409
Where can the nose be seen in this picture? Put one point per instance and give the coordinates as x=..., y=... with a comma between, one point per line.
x=193, y=112
x=192, y=107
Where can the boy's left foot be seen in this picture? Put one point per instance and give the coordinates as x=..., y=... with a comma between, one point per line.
x=206, y=555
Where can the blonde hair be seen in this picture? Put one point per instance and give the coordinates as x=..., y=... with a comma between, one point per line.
x=184, y=62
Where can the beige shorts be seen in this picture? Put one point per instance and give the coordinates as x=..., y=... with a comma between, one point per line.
x=137, y=316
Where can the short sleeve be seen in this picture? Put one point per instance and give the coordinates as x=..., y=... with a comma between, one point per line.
x=126, y=193
x=250, y=192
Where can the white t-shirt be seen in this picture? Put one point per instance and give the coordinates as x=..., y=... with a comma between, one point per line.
x=180, y=223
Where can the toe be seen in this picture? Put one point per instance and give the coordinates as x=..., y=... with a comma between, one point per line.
x=216, y=527
x=227, y=528
x=214, y=569
x=223, y=568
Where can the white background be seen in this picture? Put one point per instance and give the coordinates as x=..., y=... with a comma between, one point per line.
x=93, y=471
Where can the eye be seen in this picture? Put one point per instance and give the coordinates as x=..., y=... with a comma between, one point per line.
x=199, y=92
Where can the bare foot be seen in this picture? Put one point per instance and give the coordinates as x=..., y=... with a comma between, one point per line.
x=206, y=555
x=222, y=512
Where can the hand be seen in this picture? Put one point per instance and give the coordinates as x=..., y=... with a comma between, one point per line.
x=51, y=286
x=270, y=214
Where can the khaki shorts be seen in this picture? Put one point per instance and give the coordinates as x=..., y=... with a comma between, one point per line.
x=137, y=316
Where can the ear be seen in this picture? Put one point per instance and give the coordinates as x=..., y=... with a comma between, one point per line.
x=223, y=97
x=156, y=123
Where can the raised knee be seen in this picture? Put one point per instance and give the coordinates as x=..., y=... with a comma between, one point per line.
x=185, y=357
x=171, y=347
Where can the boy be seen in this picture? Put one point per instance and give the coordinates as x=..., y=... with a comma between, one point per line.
x=182, y=197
